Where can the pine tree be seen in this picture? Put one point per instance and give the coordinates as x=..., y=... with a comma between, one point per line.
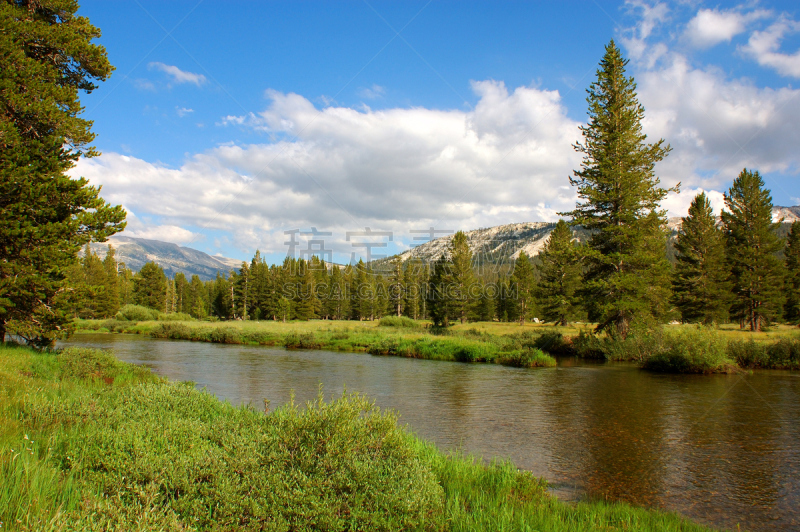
x=46, y=58
x=413, y=292
x=559, y=276
x=751, y=248
x=484, y=308
x=150, y=287
x=700, y=285
x=397, y=287
x=523, y=284
x=460, y=276
x=792, y=255
x=627, y=274
x=438, y=300
x=110, y=303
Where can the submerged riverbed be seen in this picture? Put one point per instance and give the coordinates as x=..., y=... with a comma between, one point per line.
x=722, y=449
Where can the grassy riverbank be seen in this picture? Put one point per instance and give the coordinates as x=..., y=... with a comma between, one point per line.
x=670, y=348
x=90, y=443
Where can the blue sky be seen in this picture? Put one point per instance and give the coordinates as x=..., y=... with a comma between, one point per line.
x=227, y=124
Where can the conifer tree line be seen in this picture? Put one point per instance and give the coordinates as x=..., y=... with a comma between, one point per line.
x=731, y=268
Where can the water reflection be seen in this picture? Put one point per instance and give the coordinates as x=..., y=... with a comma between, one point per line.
x=721, y=449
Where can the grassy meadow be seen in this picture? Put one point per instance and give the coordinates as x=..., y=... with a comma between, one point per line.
x=91, y=443
x=668, y=348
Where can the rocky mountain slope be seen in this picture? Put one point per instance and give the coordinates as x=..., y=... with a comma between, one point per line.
x=135, y=252
x=504, y=242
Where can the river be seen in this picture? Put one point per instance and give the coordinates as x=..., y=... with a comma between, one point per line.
x=723, y=449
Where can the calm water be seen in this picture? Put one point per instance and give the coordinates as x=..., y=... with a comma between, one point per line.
x=724, y=450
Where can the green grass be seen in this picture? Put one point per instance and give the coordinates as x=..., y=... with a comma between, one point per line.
x=670, y=348
x=90, y=443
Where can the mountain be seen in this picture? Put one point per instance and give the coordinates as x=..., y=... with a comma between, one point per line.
x=494, y=245
x=503, y=242
x=136, y=252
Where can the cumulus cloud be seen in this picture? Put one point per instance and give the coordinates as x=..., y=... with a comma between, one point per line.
x=176, y=74
x=397, y=169
x=718, y=126
x=649, y=17
x=145, y=228
x=764, y=47
x=710, y=27
x=183, y=111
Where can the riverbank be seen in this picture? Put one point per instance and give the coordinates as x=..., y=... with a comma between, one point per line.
x=88, y=443
x=670, y=348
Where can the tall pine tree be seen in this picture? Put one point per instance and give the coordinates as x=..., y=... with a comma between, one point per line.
x=46, y=58
x=460, y=278
x=559, y=276
x=700, y=285
x=627, y=274
x=751, y=248
x=523, y=284
x=792, y=254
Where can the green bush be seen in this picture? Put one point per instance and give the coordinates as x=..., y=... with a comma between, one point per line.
x=137, y=313
x=398, y=321
x=685, y=351
x=300, y=341
x=554, y=343
x=782, y=354
x=224, y=335
x=748, y=354
x=173, y=331
x=115, y=325
x=526, y=358
x=588, y=345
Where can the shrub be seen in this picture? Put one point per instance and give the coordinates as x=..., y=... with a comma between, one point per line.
x=115, y=326
x=554, y=343
x=748, y=354
x=686, y=351
x=173, y=331
x=526, y=358
x=386, y=346
x=137, y=313
x=224, y=335
x=398, y=321
x=784, y=354
x=300, y=341
x=588, y=345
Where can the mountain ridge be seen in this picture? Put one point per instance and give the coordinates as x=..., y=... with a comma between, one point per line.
x=136, y=252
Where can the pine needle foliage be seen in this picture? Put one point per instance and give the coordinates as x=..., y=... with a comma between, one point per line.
x=792, y=257
x=752, y=248
x=559, y=276
x=700, y=285
x=46, y=58
x=627, y=276
x=523, y=285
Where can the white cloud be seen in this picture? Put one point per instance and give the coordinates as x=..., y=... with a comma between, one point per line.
x=177, y=75
x=145, y=228
x=183, y=111
x=397, y=169
x=713, y=26
x=764, y=47
x=650, y=16
x=678, y=204
x=718, y=126
x=372, y=93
